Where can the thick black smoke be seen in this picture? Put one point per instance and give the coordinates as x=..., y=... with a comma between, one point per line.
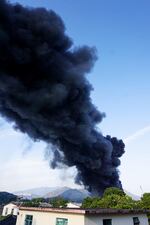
x=44, y=90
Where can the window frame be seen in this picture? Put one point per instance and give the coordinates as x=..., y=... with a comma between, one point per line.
x=107, y=220
x=63, y=222
x=136, y=221
x=6, y=211
x=12, y=211
x=28, y=219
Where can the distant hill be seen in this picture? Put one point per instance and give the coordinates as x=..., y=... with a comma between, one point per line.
x=35, y=192
x=6, y=197
x=58, y=191
x=75, y=195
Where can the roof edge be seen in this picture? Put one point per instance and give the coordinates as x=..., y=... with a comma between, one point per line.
x=55, y=210
x=85, y=211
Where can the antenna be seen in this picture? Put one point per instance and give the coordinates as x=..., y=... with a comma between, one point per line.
x=142, y=192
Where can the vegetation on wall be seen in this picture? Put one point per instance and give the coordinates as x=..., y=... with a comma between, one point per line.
x=57, y=202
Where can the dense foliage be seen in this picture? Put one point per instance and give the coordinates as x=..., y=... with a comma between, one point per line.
x=145, y=201
x=113, y=198
x=57, y=202
x=33, y=203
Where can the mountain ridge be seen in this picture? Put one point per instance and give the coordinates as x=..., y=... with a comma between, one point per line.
x=68, y=193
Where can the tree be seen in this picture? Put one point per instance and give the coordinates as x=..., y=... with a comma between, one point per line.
x=58, y=202
x=145, y=201
x=30, y=204
x=35, y=202
x=90, y=202
x=38, y=200
x=126, y=202
x=113, y=190
x=112, y=198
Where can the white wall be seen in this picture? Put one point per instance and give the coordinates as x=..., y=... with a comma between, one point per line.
x=72, y=205
x=116, y=220
x=49, y=218
x=7, y=210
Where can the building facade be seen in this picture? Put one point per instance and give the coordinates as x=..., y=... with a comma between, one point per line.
x=73, y=205
x=51, y=216
x=10, y=209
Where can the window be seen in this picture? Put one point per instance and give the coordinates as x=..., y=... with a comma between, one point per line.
x=107, y=222
x=61, y=221
x=6, y=211
x=12, y=211
x=28, y=220
x=136, y=221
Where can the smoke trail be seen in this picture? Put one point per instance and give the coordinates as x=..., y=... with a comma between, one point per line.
x=137, y=134
x=44, y=90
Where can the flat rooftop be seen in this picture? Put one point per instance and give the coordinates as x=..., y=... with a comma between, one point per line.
x=85, y=211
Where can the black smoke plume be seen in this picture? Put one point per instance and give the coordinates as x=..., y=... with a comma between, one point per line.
x=44, y=90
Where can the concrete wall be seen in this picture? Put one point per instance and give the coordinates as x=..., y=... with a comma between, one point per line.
x=7, y=210
x=49, y=218
x=116, y=220
x=72, y=205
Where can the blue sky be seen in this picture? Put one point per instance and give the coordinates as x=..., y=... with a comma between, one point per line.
x=120, y=30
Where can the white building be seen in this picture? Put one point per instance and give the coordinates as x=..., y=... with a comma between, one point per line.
x=10, y=209
x=51, y=216
x=73, y=205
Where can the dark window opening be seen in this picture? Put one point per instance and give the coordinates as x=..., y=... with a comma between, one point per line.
x=12, y=211
x=107, y=222
x=6, y=211
x=136, y=221
x=28, y=220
